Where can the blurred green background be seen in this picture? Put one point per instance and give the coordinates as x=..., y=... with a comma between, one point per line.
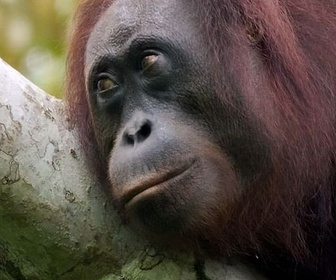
x=33, y=38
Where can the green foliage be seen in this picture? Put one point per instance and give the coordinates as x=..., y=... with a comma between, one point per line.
x=33, y=39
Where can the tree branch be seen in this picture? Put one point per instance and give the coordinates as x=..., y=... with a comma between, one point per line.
x=55, y=220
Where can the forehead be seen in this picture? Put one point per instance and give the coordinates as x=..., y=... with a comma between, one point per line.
x=125, y=20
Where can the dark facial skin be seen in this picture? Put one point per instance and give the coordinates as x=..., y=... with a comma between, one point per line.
x=174, y=167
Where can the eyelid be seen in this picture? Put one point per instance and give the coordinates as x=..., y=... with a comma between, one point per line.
x=107, y=78
x=144, y=54
x=151, y=64
x=105, y=75
x=96, y=78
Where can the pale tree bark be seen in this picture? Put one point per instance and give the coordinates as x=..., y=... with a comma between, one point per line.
x=55, y=220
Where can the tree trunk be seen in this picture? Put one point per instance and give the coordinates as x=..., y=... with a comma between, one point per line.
x=55, y=220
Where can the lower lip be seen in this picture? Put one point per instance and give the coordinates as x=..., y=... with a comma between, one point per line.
x=151, y=191
x=155, y=189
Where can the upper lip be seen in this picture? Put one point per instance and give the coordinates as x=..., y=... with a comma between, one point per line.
x=141, y=184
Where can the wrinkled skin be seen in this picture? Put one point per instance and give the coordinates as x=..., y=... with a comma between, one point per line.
x=212, y=123
x=178, y=155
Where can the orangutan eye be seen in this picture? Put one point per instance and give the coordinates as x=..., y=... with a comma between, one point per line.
x=148, y=61
x=105, y=83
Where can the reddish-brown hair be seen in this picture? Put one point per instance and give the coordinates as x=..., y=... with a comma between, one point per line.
x=296, y=40
x=86, y=16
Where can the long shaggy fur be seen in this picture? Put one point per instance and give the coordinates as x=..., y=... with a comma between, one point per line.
x=292, y=211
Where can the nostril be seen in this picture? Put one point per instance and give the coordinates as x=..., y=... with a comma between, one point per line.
x=137, y=133
x=129, y=139
x=144, y=131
